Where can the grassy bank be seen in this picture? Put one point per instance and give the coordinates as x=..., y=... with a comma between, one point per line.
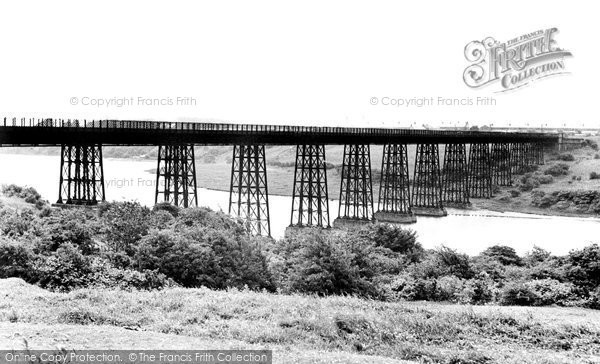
x=300, y=329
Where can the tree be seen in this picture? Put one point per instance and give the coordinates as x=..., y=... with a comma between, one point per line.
x=503, y=254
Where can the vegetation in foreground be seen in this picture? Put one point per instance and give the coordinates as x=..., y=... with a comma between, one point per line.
x=130, y=246
x=126, y=266
x=302, y=328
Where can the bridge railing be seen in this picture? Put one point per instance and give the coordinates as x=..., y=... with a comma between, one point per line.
x=240, y=128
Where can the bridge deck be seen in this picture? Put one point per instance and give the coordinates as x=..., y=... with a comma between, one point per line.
x=49, y=132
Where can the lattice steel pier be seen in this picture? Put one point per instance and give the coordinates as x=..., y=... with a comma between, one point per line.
x=81, y=175
x=455, y=189
x=356, y=190
x=394, y=203
x=310, y=204
x=480, y=176
x=176, y=176
x=427, y=186
x=248, y=196
x=500, y=162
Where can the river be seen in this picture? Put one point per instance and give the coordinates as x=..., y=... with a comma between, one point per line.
x=469, y=232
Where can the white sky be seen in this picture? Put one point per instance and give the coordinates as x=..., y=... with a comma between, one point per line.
x=313, y=62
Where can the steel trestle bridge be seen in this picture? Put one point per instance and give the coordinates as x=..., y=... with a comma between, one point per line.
x=492, y=159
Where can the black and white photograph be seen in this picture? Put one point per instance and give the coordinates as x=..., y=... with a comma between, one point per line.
x=299, y=182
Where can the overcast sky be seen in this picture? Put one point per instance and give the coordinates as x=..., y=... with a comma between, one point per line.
x=310, y=62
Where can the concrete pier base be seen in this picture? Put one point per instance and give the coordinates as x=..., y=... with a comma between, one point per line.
x=344, y=222
x=395, y=218
x=430, y=211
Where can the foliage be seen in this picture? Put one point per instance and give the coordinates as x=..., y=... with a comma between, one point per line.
x=129, y=246
x=505, y=255
x=204, y=257
x=567, y=157
x=559, y=169
x=28, y=194
x=123, y=226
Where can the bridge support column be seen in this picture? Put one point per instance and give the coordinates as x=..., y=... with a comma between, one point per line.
x=81, y=175
x=176, y=176
x=455, y=191
x=427, y=187
x=356, y=190
x=248, y=194
x=394, y=192
x=501, y=167
x=539, y=153
x=480, y=177
x=517, y=156
x=310, y=204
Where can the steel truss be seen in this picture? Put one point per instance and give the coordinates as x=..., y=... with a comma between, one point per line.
x=455, y=189
x=310, y=204
x=427, y=189
x=480, y=176
x=176, y=175
x=517, y=157
x=394, y=190
x=356, y=190
x=81, y=175
x=539, y=153
x=248, y=196
x=501, y=166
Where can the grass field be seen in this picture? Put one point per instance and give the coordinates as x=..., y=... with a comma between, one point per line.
x=299, y=329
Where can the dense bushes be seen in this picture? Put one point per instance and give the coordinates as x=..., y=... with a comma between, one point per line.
x=578, y=201
x=29, y=194
x=559, y=169
x=567, y=157
x=339, y=262
x=529, y=181
x=129, y=246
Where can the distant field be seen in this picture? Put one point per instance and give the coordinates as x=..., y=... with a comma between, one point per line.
x=299, y=329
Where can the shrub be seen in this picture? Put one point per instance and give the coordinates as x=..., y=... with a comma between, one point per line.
x=590, y=143
x=211, y=258
x=527, y=182
x=64, y=269
x=15, y=260
x=478, y=290
x=517, y=293
x=441, y=262
x=340, y=262
x=551, y=292
x=594, y=175
x=29, y=194
x=105, y=275
x=124, y=224
x=557, y=170
x=596, y=156
x=68, y=226
x=17, y=223
x=396, y=239
x=514, y=193
x=567, y=157
x=505, y=255
x=584, y=267
x=165, y=206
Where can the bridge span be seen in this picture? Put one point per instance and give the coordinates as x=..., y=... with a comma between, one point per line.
x=492, y=158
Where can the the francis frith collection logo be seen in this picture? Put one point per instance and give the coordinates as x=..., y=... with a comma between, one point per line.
x=514, y=63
